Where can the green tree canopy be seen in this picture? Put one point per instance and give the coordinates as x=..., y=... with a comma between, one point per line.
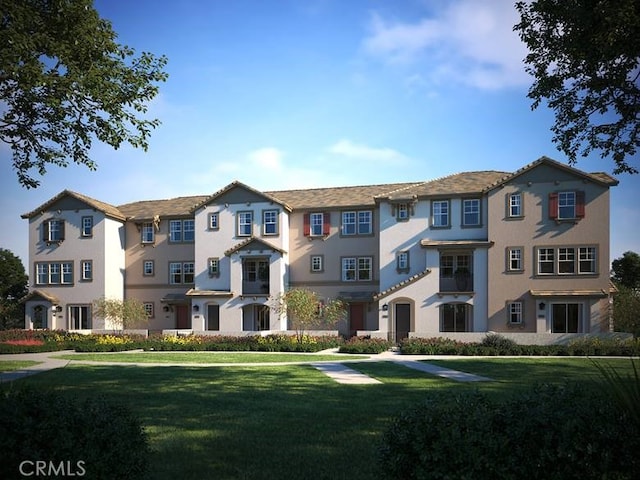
x=65, y=82
x=626, y=270
x=13, y=286
x=585, y=60
x=122, y=314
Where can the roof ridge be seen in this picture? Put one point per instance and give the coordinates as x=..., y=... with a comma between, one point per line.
x=401, y=284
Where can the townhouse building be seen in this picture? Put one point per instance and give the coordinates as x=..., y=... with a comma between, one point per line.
x=522, y=253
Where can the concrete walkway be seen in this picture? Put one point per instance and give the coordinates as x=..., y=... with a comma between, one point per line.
x=337, y=370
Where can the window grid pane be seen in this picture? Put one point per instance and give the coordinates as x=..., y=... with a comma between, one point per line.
x=175, y=230
x=316, y=224
x=471, y=210
x=546, y=261
x=364, y=223
x=587, y=260
x=515, y=205
x=441, y=214
x=188, y=230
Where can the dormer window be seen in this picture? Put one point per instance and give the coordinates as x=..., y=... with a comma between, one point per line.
x=53, y=231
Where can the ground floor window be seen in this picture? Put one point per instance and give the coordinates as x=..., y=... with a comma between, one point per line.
x=255, y=318
x=566, y=318
x=79, y=317
x=455, y=317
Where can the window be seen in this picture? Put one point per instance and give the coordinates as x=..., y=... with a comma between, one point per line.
x=546, y=261
x=79, y=317
x=357, y=223
x=446, y=266
x=149, y=310
x=454, y=317
x=514, y=259
x=147, y=232
x=87, y=270
x=402, y=211
x=402, y=262
x=245, y=224
x=515, y=205
x=570, y=261
x=566, y=205
x=181, y=272
x=471, y=212
x=214, y=267
x=440, y=213
x=515, y=312
x=317, y=263
x=87, y=226
x=181, y=230
x=566, y=317
x=357, y=269
x=148, y=268
x=53, y=231
x=214, y=221
x=270, y=222
x=586, y=260
x=317, y=224
x=55, y=273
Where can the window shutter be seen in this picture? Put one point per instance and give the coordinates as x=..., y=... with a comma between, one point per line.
x=307, y=224
x=553, y=205
x=579, y=204
x=62, y=230
x=45, y=231
x=326, y=223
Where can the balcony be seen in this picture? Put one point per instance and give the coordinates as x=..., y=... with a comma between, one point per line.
x=462, y=281
x=255, y=276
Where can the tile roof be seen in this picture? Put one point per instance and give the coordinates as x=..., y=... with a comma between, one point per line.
x=253, y=243
x=103, y=207
x=148, y=209
x=402, y=284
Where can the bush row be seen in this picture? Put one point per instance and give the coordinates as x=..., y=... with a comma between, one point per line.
x=550, y=432
x=494, y=344
x=86, y=438
x=365, y=345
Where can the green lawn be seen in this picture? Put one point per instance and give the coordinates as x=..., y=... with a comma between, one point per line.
x=11, y=365
x=285, y=422
x=207, y=357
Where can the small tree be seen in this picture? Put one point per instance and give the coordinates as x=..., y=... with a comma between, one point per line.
x=626, y=270
x=123, y=314
x=307, y=310
x=13, y=286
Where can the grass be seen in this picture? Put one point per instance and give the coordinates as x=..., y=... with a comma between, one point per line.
x=206, y=357
x=289, y=422
x=11, y=365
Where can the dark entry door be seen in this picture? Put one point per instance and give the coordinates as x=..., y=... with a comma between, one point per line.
x=182, y=317
x=213, y=317
x=403, y=320
x=356, y=318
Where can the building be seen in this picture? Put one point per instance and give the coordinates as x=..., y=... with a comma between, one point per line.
x=524, y=253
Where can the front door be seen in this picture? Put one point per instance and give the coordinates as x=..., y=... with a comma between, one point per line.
x=403, y=321
x=356, y=318
x=213, y=317
x=183, y=321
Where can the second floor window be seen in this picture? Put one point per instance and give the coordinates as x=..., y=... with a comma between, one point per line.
x=317, y=263
x=214, y=267
x=270, y=222
x=181, y=230
x=147, y=232
x=514, y=260
x=245, y=224
x=54, y=273
x=357, y=269
x=567, y=205
x=567, y=261
x=181, y=272
x=440, y=213
x=402, y=261
x=87, y=270
x=53, y=230
x=148, y=268
x=471, y=212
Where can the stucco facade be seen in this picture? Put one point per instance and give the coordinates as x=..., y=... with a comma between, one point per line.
x=523, y=252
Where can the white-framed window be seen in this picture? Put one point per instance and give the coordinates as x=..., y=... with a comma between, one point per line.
x=181, y=272
x=514, y=260
x=515, y=312
x=357, y=269
x=79, y=317
x=270, y=222
x=566, y=261
x=440, y=213
x=402, y=261
x=402, y=211
x=357, y=222
x=181, y=230
x=587, y=260
x=148, y=268
x=147, y=232
x=87, y=270
x=546, y=261
x=515, y=205
x=455, y=317
x=54, y=273
x=87, y=226
x=317, y=263
x=214, y=221
x=149, y=309
x=214, y=266
x=245, y=223
x=317, y=224
x=566, y=204
x=471, y=212
x=53, y=230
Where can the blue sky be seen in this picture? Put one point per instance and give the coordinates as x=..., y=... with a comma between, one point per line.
x=309, y=93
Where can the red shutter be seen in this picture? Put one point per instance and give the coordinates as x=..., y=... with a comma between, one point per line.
x=61, y=230
x=579, y=204
x=45, y=231
x=307, y=224
x=553, y=205
x=326, y=223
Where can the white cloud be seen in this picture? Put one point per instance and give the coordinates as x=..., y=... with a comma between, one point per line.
x=468, y=42
x=268, y=157
x=355, y=151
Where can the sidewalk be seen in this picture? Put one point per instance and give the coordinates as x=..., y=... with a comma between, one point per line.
x=46, y=364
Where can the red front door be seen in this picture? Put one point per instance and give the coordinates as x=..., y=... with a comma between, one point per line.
x=356, y=318
x=182, y=317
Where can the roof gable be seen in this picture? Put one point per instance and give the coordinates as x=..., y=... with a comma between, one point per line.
x=237, y=192
x=253, y=243
x=69, y=200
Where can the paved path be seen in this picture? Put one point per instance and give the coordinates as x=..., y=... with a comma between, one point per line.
x=337, y=370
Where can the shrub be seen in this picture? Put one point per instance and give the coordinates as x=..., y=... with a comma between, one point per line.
x=365, y=345
x=550, y=432
x=500, y=345
x=49, y=426
x=430, y=346
x=269, y=343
